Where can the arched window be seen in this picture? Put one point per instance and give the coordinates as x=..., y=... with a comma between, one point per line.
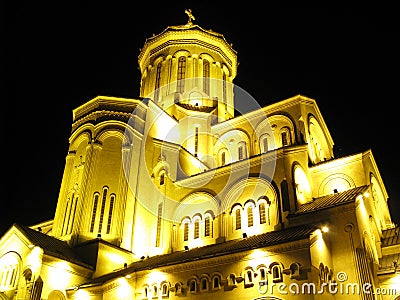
x=94, y=211
x=193, y=286
x=110, y=212
x=224, y=87
x=159, y=219
x=285, y=137
x=9, y=271
x=181, y=74
x=186, y=231
x=162, y=178
x=249, y=216
x=248, y=278
x=69, y=214
x=145, y=292
x=196, y=140
x=231, y=280
x=294, y=270
x=264, y=210
x=196, y=229
x=216, y=282
x=261, y=209
x=242, y=150
x=238, y=219
x=158, y=80
x=207, y=226
x=164, y=289
x=265, y=144
x=204, y=284
x=276, y=272
x=206, y=76
x=155, y=291
x=263, y=274
x=178, y=288
x=102, y=209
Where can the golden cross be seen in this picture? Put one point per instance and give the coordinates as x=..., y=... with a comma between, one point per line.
x=190, y=15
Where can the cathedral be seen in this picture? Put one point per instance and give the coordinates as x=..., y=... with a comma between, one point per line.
x=194, y=191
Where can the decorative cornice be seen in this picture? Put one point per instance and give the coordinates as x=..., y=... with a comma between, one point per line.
x=100, y=116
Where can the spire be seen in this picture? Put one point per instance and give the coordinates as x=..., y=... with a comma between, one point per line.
x=191, y=17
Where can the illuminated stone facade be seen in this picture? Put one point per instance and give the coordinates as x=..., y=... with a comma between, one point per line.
x=191, y=191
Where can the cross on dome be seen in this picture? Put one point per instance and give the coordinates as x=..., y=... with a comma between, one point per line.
x=190, y=15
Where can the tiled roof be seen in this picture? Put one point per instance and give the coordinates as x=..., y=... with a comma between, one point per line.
x=52, y=246
x=391, y=237
x=225, y=248
x=332, y=200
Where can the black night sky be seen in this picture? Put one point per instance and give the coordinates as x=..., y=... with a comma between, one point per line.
x=59, y=54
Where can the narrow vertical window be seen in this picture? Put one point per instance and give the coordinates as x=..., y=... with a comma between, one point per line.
x=196, y=140
x=162, y=178
x=216, y=282
x=181, y=74
x=207, y=226
x=67, y=215
x=159, y=215
x=94, y=211
x=164, y=289
x=240, y=152
x=284, y=139
x=250, y=216
x=13, y=275
x=204, y=284
x=265, y=144
x=224, y=88
x=158, y=80
x=206, y=76
x=249, y=276
x=102, y=209
x=262, y=274
x=193, y=286
x=261, y=208
x=110, y=212
x=196, y=229
x=238, y=219
x=72, y=215
x=276, y=273
x=186, y=231
x=155, y=291
x=223, y=158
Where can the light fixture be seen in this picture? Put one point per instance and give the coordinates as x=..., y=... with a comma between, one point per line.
x=325, y=229
x=244, y=235
x=186, y=248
